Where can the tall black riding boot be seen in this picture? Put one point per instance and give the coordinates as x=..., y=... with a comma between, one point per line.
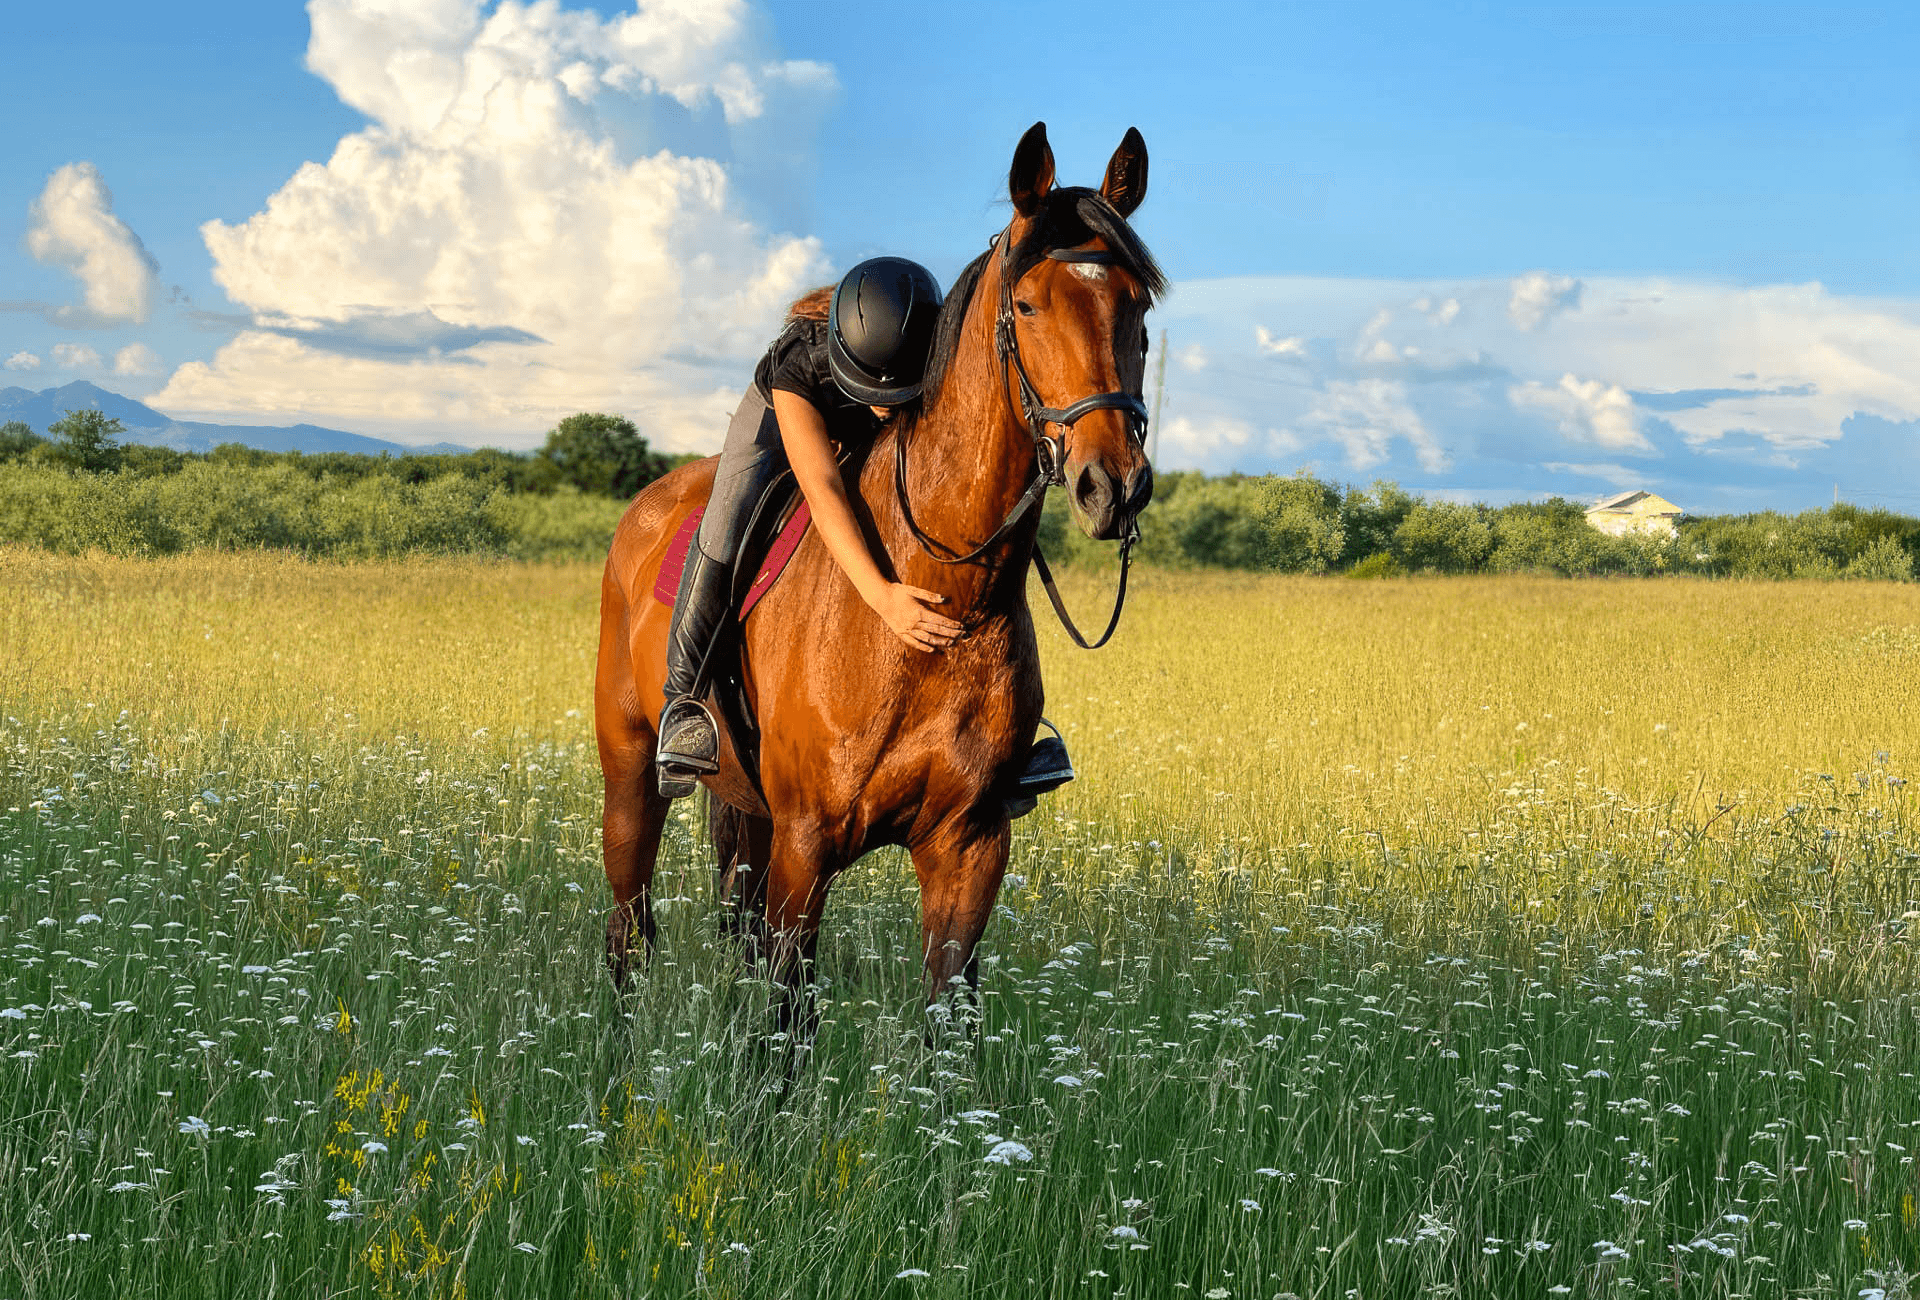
x=689, y=741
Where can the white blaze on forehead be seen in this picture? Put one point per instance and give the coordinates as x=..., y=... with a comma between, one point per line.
x=1093, y=271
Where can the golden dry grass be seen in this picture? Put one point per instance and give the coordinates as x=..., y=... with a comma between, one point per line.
x=1253, y=705
x=1233, y=705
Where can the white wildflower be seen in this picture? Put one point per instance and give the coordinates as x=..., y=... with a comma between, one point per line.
x=1008, y=1152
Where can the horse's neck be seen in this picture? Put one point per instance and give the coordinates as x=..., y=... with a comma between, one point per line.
x=969, y=461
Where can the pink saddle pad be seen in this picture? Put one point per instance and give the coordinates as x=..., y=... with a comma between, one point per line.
x=667, y=586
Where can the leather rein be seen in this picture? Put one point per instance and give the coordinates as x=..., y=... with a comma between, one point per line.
x=1050, y=454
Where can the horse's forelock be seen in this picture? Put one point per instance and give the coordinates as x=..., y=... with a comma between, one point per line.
x=1069, y=216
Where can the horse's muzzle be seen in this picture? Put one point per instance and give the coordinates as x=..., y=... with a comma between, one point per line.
x=1107, y=506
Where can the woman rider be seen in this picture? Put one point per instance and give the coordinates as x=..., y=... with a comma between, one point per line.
x=843, y=362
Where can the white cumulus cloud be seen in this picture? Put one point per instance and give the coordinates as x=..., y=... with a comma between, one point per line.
x=136, y=359
x=1291, y=346
x=1192, y=357
x=75, y=356
x=1366, y=415
x=22, y=360
x=1586, y=410
x=1536, y=297
x=515, y=183
x=1197, y=441
x=72, y=225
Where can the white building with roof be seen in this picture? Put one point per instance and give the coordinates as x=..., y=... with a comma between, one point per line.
x=1634, y=512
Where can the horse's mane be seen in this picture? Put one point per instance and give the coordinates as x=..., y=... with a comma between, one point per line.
x=1068, y=217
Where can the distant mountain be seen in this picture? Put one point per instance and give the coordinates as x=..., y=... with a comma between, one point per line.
x=144, y=424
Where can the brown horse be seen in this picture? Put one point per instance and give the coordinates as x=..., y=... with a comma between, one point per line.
x=867, y=742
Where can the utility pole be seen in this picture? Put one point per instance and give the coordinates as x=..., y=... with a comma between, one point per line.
x=1159, y=394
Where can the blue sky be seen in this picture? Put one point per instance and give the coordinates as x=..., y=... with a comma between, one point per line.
x=1489, y=251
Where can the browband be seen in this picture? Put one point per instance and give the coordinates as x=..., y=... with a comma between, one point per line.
x=1100, y=255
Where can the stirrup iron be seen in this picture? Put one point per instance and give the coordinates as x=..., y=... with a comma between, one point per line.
x=689, y=747
x=1048, y=768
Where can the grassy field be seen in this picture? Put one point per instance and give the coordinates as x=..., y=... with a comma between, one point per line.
x=1498, y=937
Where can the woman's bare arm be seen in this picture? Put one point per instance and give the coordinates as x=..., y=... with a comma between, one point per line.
x=803, y=431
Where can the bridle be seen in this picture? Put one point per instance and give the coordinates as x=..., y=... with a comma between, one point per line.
x=1050, y=454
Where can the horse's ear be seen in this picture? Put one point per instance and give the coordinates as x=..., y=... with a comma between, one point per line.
x=1126, y=182
x=1032, y=173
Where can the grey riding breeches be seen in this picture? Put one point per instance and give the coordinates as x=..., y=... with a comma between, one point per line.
x=751, y=458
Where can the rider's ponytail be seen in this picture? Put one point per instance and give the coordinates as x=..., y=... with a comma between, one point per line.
x=811, y=305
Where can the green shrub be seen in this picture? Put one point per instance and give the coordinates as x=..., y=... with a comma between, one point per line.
x=1207, y=522
x=18, y=440
x=1444, y=537
x=1380, y=564
x=1370, y=517
x=1882, y=560
x=497, y=503
x=209, y=504
x=1303, y=523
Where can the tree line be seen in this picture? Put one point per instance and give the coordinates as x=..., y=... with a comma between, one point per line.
x=84, y=488
x=593, y=453
x=1300, y=524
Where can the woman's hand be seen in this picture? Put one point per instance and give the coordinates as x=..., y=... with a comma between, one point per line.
x=905, y=610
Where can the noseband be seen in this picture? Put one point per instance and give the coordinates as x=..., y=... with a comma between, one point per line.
x=1050, y=455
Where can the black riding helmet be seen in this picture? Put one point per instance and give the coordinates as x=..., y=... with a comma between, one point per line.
x=880, y=328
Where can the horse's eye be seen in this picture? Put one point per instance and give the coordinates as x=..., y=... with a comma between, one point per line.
x=1024, y=308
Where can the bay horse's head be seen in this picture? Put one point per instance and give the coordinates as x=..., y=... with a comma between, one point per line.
x=1078, y=282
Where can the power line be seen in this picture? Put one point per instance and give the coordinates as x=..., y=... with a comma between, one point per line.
x=1159, y=393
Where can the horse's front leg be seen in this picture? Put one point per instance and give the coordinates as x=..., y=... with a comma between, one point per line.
x=960, y=866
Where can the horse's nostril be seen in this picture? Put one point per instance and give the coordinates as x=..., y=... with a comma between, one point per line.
x=1092, y=488
x=1139, y=488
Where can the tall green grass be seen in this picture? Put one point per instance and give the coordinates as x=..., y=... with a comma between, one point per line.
x=300, y=986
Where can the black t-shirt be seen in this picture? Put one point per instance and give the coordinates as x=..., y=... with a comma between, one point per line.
x=797, y=363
